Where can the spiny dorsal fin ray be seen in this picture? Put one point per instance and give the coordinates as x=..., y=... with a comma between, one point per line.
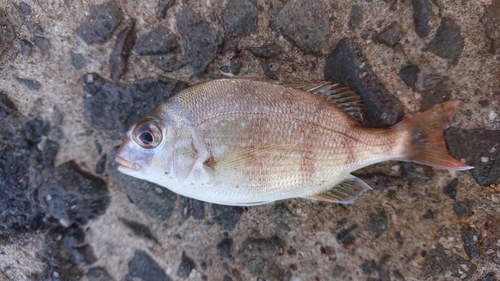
x=342, y=97
x=345, y=192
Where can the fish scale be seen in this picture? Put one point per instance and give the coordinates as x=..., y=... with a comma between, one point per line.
x=245, y=142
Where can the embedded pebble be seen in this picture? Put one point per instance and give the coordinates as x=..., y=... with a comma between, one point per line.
x=158, y=41
x=491, y=21
x=448, y=42
x=100, y=23
x=422, y=13
x=239, y=17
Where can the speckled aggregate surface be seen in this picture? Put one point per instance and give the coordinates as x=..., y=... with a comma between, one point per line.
x=75, y=74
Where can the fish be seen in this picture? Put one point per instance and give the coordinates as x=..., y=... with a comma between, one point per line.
x=244, y=142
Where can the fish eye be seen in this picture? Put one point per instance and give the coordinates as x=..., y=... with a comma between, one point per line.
x=147, y=135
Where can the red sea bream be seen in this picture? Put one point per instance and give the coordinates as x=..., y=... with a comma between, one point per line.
x=248, y=142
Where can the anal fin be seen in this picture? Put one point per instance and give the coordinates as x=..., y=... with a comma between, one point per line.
x=345, y=192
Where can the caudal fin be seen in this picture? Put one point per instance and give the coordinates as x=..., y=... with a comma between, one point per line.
x=426, y=143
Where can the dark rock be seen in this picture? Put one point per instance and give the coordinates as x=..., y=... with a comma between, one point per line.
x=484, y=103
x=390, y=35
x=154, y=200
x=163, y=6
x=438, y=262
x=35, y=130
x=348, y=66
x=101, y=164
x=415, y=173
x=77, y=60
x=6, y=106
x=355, y=16
x=170, y=62
x=7, y=36
x=489, y=277
x=101, y=22
x=199, y=40
x=71, y=195
x=107, y=106
x=448, y=43
x=224, y=247
x=471, y=246
x=434, y=96
x=261, y=258
x=345, y=236
x=187, y=264
x=378, y=222
x=463, y=209
x=380, y=181
x=226, y=216
x=30, y=83
x=427, y=82
x=450, y=189
x=111, y=106
x=158, y=41
x=409, y=75
x=26, y=47
x=145, y=267
x=118, y=60
x=67, y=252
x=198, y=209
x=267, y=71
x=399, y=238
x=233, y=68
x=279, y=213
x=98, y=274
x=383, y=272
x=368, y=267
x=239, y=17
x=491, y=21
x=428, y=215
x=227, y=278
x=422, y=13
x=18, y=162
x=305, y=23
x=25, y=8
x=42, y=43
x=16, y=16
x=34, y=28
x=268, y=51
x=139, y=229
x=471, y=145
x=186, y=207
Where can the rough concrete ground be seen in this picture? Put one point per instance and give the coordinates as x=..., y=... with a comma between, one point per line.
x=67, y=94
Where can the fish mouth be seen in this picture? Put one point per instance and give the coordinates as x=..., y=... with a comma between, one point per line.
x=127, y=166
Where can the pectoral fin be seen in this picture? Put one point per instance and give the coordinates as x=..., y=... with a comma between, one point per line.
x=345, y=192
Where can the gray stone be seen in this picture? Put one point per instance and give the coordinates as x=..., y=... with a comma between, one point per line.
x=355, y=16
x=101, y=22
x=26, y=47
x=163, y=6
x=261, y=258
x=157, y=42
x=448, y=43
x=233, y=68
x=463, y=209
x=7, y=35
x=491, y=21
x=266, y=52
x=267, y=71
x=409, y=75
x=30, y=83
x=470, y=239
x=199, y=40
x=170, y=62
x=422, y=13
x=186, y=266
x=226, y=216
x=390, y=35
x=305, y=23
x=77, y=60
x=239, y=17
x=25, y=8
x=98, y=274
x=118, y=60
x=42, y=43
x=145, y=267
x=224, y=247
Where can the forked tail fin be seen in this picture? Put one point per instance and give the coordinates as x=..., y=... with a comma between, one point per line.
x=426, y=143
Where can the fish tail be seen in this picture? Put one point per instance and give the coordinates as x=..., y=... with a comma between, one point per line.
x=426, y=144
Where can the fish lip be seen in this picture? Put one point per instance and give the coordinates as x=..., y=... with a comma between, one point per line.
x=127, y=166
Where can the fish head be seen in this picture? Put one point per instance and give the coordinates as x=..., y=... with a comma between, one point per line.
x=144, y=145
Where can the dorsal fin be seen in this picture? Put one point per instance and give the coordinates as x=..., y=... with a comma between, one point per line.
x=342, y=97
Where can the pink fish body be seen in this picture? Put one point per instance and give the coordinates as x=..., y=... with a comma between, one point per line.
x=248, y=142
